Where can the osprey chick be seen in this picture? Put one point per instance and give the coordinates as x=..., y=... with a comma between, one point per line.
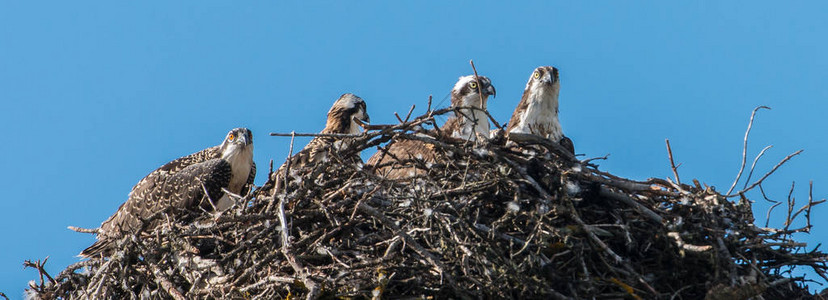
x=537, y=112
x=466, y=123
x=181, y=184
x=342, y=119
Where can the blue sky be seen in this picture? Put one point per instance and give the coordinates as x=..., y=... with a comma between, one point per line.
x=95, y=97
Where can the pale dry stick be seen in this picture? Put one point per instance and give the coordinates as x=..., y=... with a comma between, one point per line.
x=38, y=265
x=294, y=134
x=83, y=230
x=791, y=203
x=428, y=108
x=672, y=163
x=408, y=116
x=606, y=192
x=807, y=208
x=285, y=236
x=681, y=244
x=744, y=148
x=165, y=283
x=313, y=290
x=753, y=165
x=268, y=279
x=767, y=217
x=480, y=94
x=477, y=78
x=758, y=182
x=529, y=138
x=284, y=175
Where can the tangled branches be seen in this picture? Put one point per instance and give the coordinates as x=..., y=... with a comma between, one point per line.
x=489, y=220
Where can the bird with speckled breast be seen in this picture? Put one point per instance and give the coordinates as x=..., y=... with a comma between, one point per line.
x=196, y=181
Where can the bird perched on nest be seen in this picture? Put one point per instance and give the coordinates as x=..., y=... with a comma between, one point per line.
x=537, y=112
x=399, y=158
x=343, y=118
x=182, y=184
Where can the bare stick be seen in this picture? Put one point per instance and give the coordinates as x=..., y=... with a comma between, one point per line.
x=767, y=174
x=672, y=163
x=167, y=285
x=480, y=94
x=606, y=192
x=744, y=148
x=408, y=116
x=753, y=165
x=428, y=109
x=83, y=230
x=294, y=134
x=477, y=78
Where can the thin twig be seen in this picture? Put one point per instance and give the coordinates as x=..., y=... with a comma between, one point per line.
x=758, y=182
x=672, y=163
x=744, y=148
x=753, y=165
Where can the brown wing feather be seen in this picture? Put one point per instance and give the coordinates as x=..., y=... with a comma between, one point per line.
x=523, y=105
x=175, y=166
x=314, y=152
x=183, y=189
x=404, y=159
x=451, y=126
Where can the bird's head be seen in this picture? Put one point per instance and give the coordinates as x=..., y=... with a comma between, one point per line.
x=465, y=92
x=237, y=141
x=343, y=113
x=545, y=78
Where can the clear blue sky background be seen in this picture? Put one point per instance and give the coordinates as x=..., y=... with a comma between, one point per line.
x=97, y=96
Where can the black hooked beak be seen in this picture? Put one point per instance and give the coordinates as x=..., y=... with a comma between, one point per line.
x=244, y=140
x=552, y=77
x=490, y=90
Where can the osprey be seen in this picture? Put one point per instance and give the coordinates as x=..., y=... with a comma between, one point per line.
x=466, y=123
x=537, y=112
x=342, y=119
x=181, y=184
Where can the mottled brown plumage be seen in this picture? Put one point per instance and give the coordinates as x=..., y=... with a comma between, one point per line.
x=410, y=158
x=537, y=111
x=181, y=184
x=341, y=120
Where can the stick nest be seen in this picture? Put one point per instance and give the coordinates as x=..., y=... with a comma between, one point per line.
x=490, y=220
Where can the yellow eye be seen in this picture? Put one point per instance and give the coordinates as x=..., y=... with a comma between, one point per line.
x=536, y=75
x=473, y=85
x=231, y=137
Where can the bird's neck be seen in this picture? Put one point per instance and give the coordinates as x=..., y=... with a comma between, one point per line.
x=472, y=123
x=241, y=162
x=544, y=99
x=541, y=115
x=341, y=126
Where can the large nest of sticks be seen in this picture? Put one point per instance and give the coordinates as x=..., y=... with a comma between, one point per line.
x=493, y=219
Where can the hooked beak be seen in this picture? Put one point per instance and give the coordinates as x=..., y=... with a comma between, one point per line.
x=243, y=140
x=551, y=78
x=490, y=90
x=365, y=119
